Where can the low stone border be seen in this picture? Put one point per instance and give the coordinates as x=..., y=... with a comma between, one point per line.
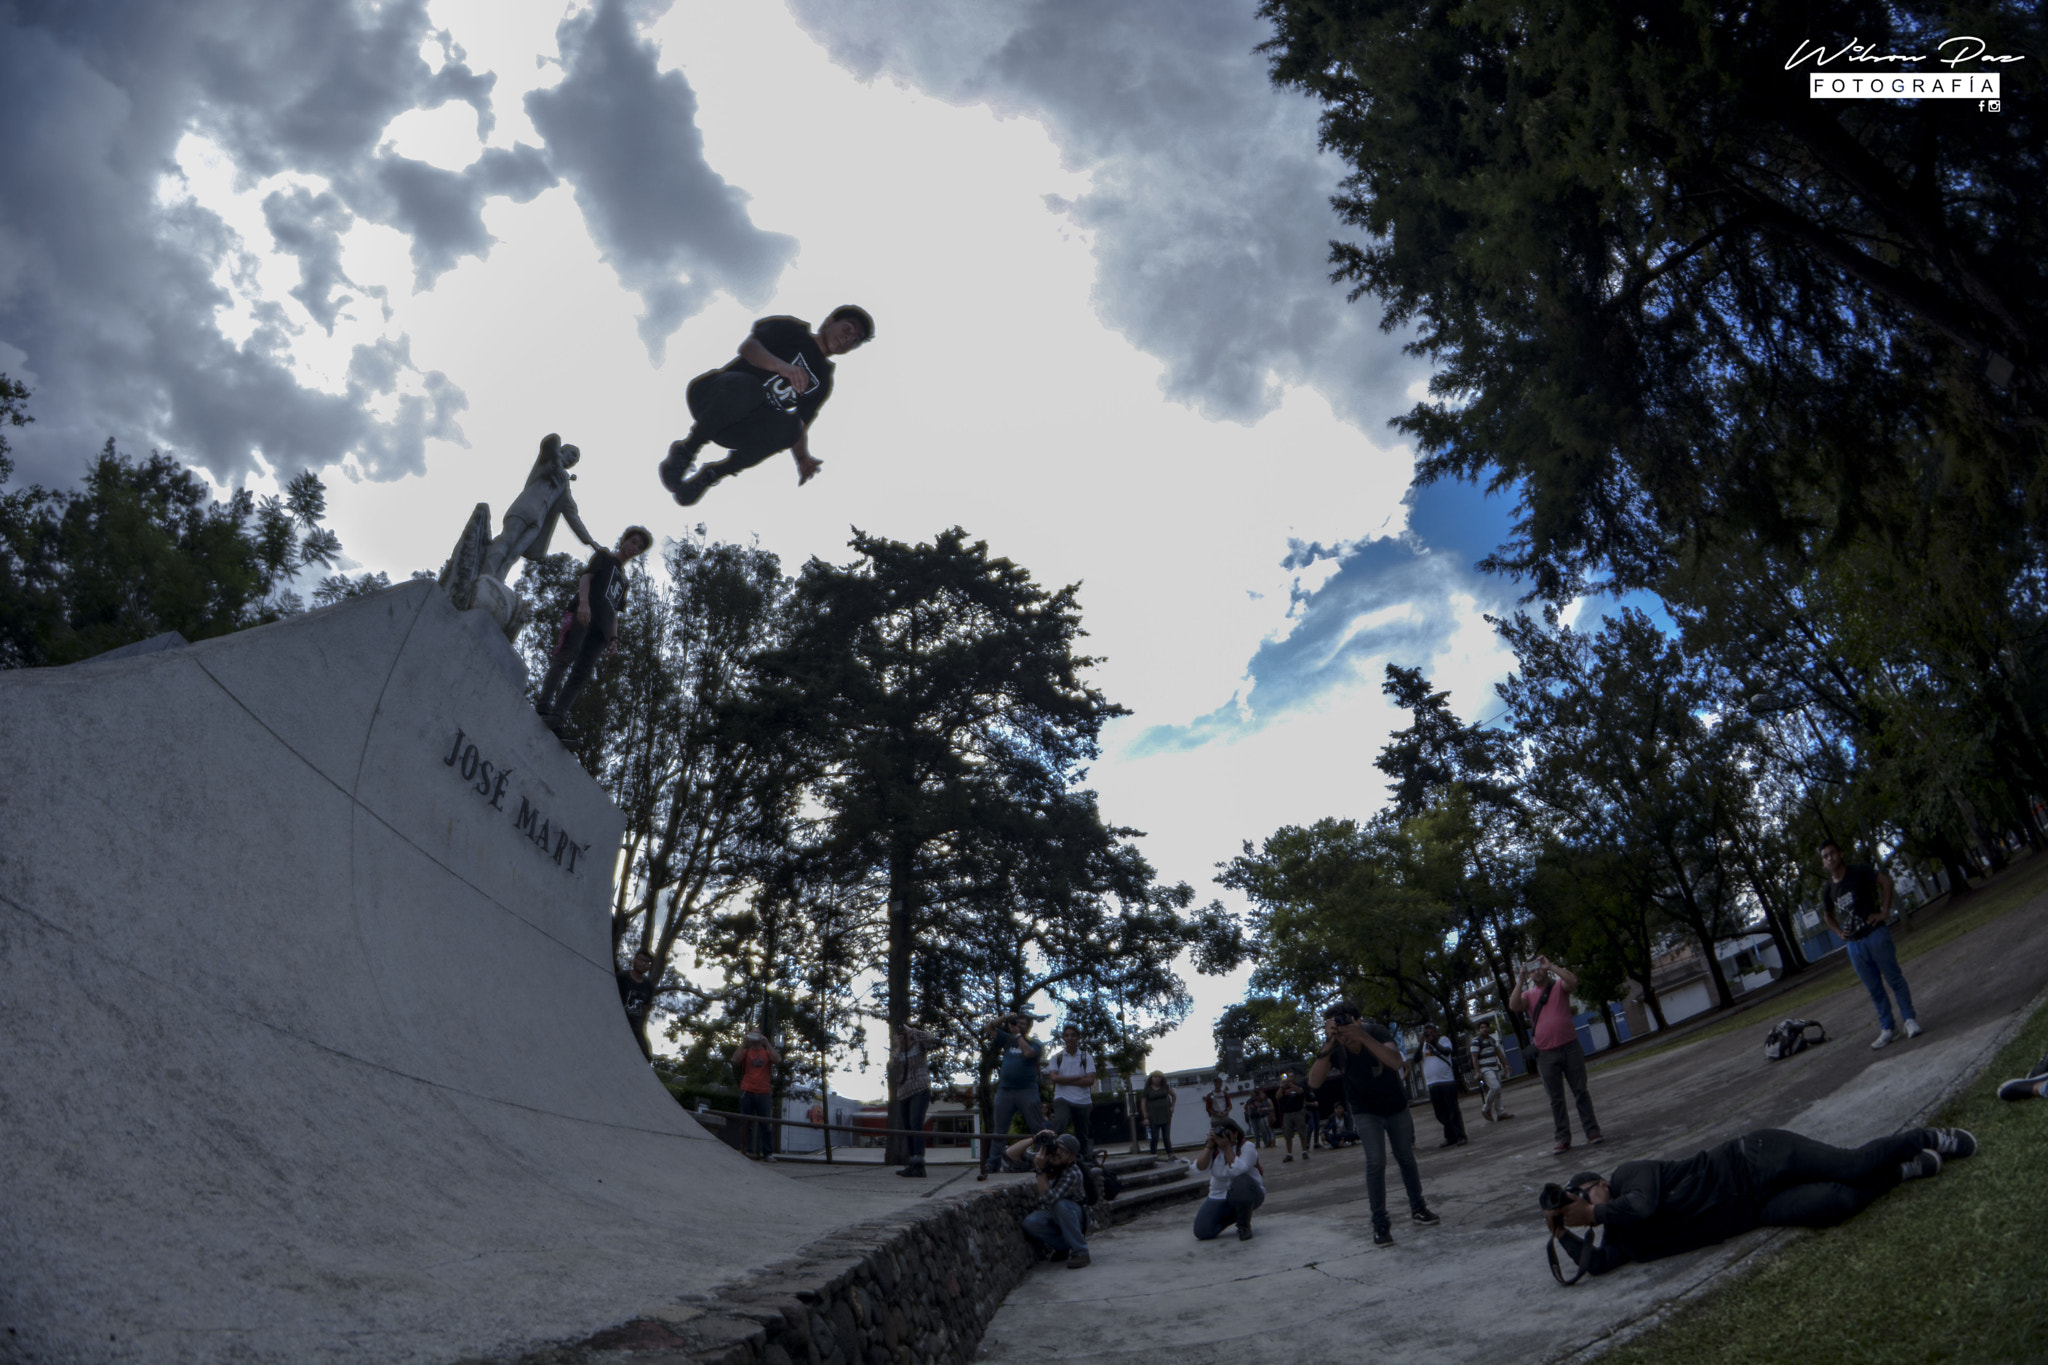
x=917, y=1287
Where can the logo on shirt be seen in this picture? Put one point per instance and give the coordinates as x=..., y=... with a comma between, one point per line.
x=783, y=394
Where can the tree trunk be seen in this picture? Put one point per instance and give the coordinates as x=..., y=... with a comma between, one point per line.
x=1789, y=954
x=1656, y=1006
x=896, y=1149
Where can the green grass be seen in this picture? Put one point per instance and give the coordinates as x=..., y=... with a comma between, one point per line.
x=2013, y=891
x=1951, y=1270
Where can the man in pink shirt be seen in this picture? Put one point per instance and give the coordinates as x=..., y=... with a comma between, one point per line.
x=1546, y=994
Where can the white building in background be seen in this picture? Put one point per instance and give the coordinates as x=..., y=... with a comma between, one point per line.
x=1685, y=987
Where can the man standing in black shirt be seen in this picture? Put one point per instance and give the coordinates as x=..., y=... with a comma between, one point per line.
x=1364, y=1055
x=763, y=401
x=591, y=628
x=636, y=993
x=1856, y=901
x=1769, y=1178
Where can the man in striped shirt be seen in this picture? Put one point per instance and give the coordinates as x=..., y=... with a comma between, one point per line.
x=1060, y=1219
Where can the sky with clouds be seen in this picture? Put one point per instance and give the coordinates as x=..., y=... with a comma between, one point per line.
x=398, y=242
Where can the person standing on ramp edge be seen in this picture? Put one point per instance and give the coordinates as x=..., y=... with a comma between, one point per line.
x=764, y=401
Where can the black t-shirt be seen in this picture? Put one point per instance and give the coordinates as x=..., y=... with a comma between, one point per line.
x=1289, y=1102
x=1660, y=1208
x=607, y=587
x=789, y=339
x=1854, y=900
x=636, y=996
x=1370, y=1085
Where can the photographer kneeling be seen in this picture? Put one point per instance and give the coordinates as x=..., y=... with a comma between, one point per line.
x=1769, y=1178
x=1060, y=1220
x=1236, y=1183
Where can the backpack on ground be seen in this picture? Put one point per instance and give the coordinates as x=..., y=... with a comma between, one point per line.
x=1790, y=1036
x=1098, y=1183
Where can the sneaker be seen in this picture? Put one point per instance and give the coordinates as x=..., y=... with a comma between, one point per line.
x=1382, y=1237
x=914, y=1172
x=1505, y=1117
x=697, y=485
x=2025, y=1087
x=1488, y=1117
x=1059, y=1257
x=1884, y=1035
x=1921, y=1166
x=1244, y=1232
x=1952, y=1142
x=1594, y=1137
x=1448, y=1142
x=1913, y=1029
x=981, y=1174
x=1304, y=1156
x=1561, y=1148
x=1425, y=1217
x=1289, y=1157
x=1077, y=1260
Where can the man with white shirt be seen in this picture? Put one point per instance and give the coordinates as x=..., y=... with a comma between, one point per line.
x=1442, y=1080
x=1073, y=1088
x=1236, y=1184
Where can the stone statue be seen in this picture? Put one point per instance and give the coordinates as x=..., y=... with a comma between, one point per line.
x=530, y=520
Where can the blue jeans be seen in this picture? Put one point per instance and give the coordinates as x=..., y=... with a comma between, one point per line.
x=760, y=1136
x=1009, y=1104
x=1375, y=1132
x=914, y=1107
x=1877, y=965
x=1218, y=1214
x=1058, y=1227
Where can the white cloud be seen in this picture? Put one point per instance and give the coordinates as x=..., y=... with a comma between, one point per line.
x=1106, y=340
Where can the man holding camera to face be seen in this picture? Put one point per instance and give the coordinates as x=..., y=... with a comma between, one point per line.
x=1546, y=997
x=1060, y=1221
x=1017, y=1058
x=1363, y=1054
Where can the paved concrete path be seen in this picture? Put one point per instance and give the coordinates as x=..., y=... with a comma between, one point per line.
x=311, y=1046
x=1311, y=1286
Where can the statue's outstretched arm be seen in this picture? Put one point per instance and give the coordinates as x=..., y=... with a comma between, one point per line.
x=576, y=523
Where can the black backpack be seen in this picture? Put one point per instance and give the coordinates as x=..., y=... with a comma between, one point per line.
x=1789, y=1037
x=1098, y=1182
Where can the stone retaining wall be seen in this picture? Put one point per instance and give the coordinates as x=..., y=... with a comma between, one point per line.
x=916, y=1287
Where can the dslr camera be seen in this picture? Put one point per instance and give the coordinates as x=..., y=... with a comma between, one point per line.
x=1553, y=1197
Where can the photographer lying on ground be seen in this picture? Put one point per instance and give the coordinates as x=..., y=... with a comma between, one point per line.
x=1237, y=1185
x=1769, y=1178
x=1059, y=1221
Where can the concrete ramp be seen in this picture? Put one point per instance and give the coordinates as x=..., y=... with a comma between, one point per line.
x=309, y=1045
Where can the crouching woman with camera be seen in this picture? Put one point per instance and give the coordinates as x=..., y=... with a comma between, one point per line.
x=1060, y=1220
x=1237, y=1185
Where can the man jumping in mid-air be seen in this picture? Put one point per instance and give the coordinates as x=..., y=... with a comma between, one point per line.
x=764, y=401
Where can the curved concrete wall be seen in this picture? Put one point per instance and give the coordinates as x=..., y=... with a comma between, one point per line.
x=309, y=1050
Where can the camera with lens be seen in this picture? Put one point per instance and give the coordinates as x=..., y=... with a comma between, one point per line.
x=1553, y=1196
x=1044, y=1142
